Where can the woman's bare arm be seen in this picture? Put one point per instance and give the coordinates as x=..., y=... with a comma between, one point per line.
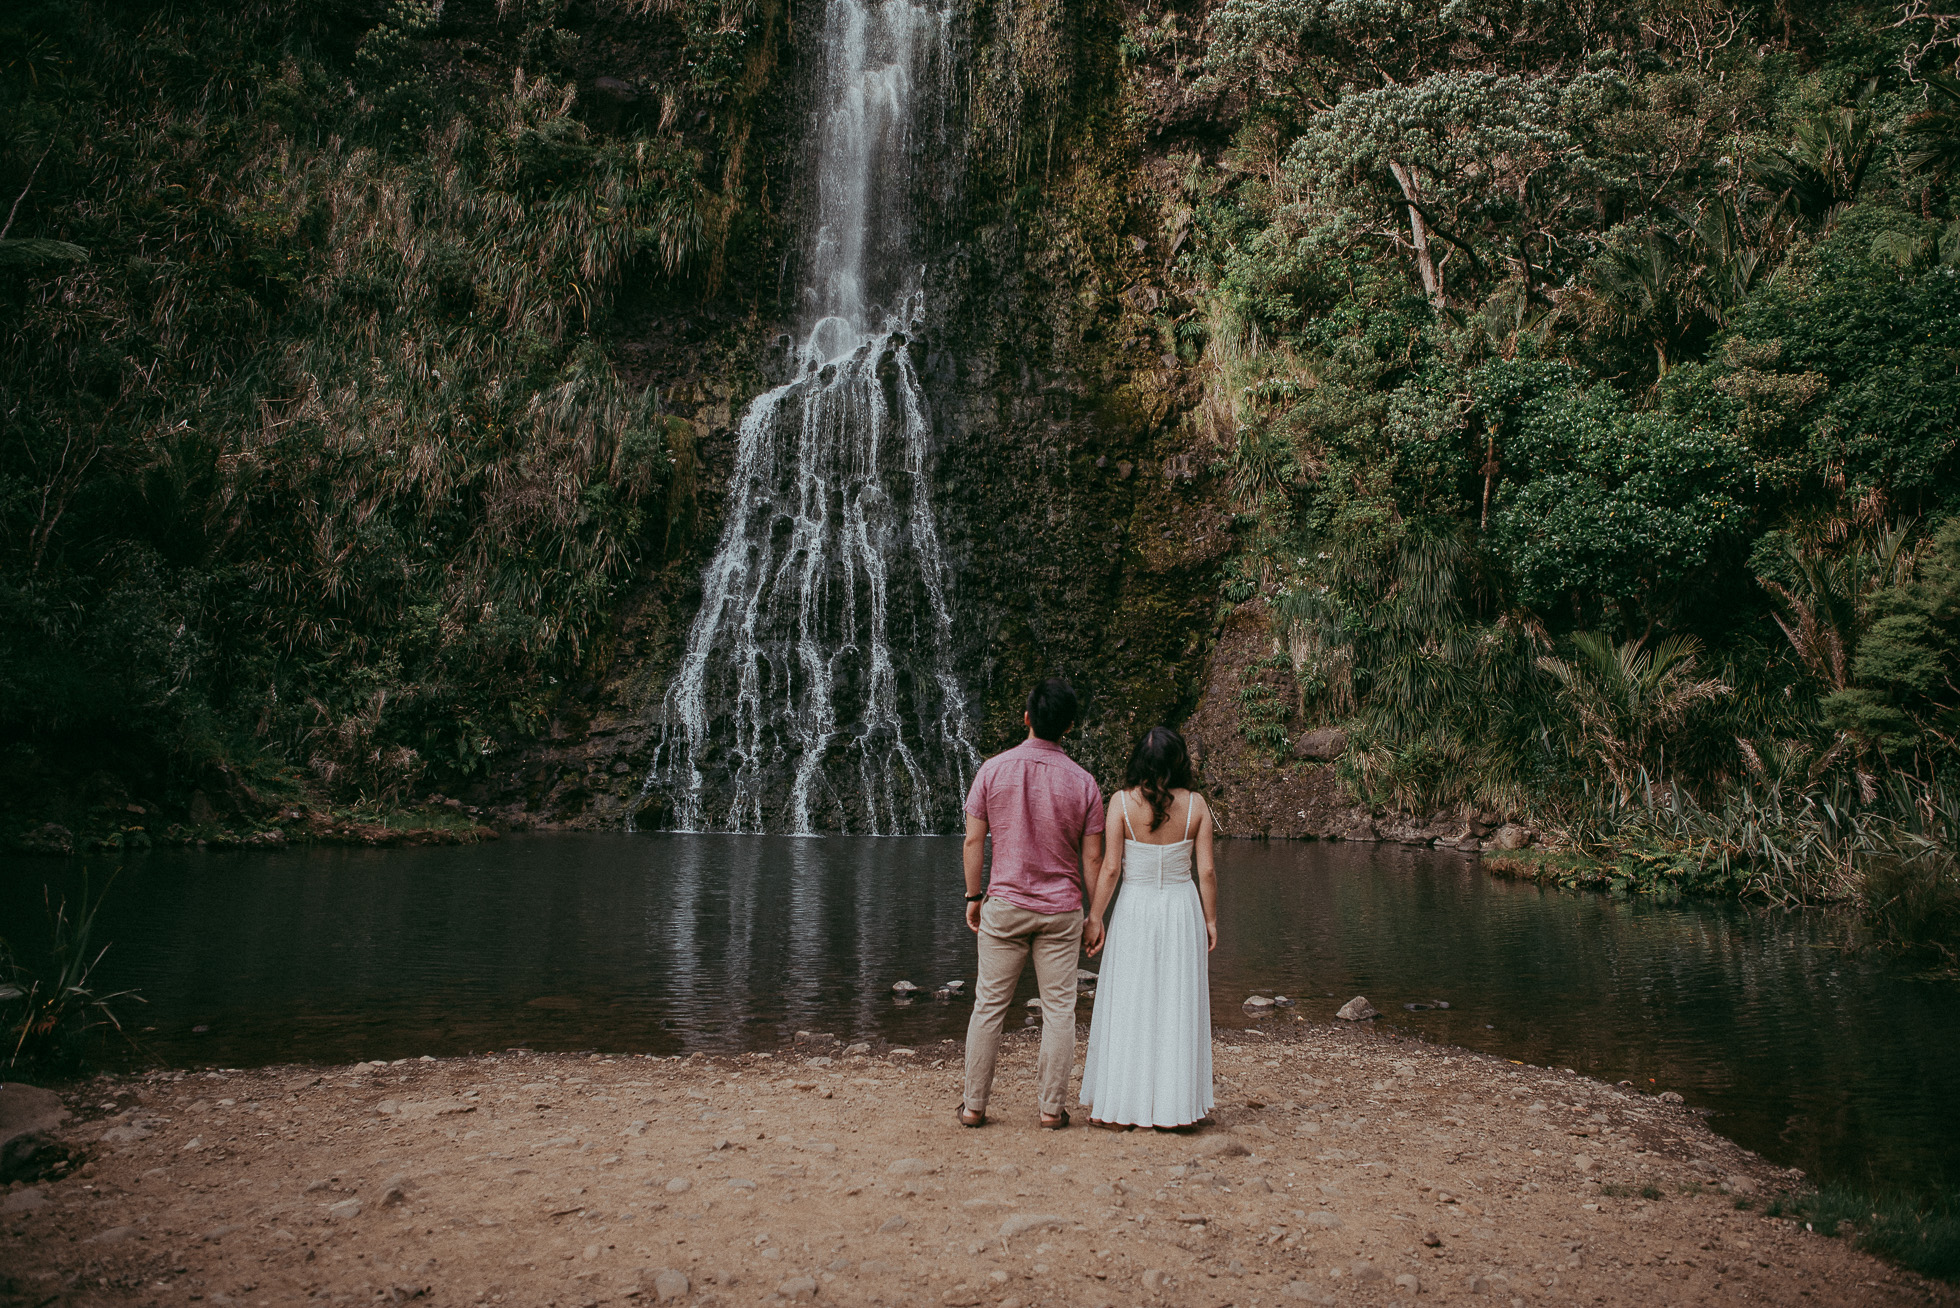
x=1207, y=873
x=1107, y=876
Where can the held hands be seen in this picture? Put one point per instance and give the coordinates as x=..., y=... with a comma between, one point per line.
x=1092, y=936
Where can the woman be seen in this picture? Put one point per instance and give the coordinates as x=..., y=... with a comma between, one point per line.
x=1150, y=1039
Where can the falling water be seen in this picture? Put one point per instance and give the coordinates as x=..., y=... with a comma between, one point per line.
x=817, y=689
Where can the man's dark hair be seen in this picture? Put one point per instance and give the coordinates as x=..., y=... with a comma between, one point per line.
x=1051, y=708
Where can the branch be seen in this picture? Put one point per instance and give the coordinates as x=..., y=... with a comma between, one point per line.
x=8, y=225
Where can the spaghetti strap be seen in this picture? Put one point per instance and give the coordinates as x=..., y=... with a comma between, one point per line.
x=1190, y=807
x=1124, y=797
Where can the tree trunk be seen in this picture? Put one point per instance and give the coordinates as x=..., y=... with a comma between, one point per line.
x=1432, y=283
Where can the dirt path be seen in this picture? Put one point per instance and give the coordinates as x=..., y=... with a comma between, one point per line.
x=1346, y=1167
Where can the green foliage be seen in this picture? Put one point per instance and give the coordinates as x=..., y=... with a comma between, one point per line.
x=1920, y=1233
x=318, y=456
x=1530, y=355
x=1601, y=504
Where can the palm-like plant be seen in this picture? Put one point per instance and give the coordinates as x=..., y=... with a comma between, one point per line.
x=1934, y=132
x=1628, y=701
x=1829, y=608
x=45, y=1016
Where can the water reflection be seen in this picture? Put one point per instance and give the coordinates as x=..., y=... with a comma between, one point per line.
x=665, y=943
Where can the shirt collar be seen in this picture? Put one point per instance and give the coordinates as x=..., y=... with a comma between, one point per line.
x=1036, y=742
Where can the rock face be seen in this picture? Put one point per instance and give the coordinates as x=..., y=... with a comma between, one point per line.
x=1252, y=792
x=1357, y=1009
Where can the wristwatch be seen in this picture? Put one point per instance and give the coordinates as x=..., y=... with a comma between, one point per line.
x=974, y=899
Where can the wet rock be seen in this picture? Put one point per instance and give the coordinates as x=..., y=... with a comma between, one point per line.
x=1508, y=837
x=1257, y=1004
x=1281, y=1001
x=904, y=988
x=956, y=984
x=48, y=838
x=1326, y=744
x=1357, y=1009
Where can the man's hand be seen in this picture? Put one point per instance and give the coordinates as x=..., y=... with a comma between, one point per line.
x=1092, y=936
x=973, y=916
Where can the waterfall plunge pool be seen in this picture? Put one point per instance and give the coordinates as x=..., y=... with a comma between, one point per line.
x=1841, y=1064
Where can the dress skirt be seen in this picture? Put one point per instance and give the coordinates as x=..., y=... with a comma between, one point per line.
x=1149, y=1061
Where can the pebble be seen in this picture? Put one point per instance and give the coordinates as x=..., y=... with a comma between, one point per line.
x=1365, y=1273
x=891, y=1225
x=903, y=987
x=345, y=1209
x=1155, y=1280
x=114, y=1235
x=667, y=1285
x=1323, y=1221
x=1021, y=1223
x=679, y=1185
x=909, y=1167
x=24, y=1201
x=740, y=1183
x=861, y=1047
x=1408, y=1284
x=798, y=1289
x=1258, y=1001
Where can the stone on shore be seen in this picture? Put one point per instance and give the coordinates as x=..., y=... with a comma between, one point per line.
x=1357, y=1009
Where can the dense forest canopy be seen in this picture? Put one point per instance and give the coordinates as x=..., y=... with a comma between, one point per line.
x=1583, y=381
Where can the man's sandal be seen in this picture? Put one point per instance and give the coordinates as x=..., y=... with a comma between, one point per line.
x=1057, y=1124
x=979, y=1119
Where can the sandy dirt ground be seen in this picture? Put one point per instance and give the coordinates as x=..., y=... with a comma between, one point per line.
x=1345, y=1166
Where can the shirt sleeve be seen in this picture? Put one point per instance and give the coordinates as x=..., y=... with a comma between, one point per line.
x=1093, y=793
x=976, y=795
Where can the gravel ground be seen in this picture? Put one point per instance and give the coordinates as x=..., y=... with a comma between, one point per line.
x=1345, y=1166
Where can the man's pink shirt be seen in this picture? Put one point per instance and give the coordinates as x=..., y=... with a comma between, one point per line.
x=1038, y=804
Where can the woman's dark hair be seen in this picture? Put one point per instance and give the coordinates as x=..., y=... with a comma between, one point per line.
x=1051, y=708
x=1160, y=764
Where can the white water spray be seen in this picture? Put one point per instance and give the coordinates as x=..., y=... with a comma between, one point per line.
x=797, y=705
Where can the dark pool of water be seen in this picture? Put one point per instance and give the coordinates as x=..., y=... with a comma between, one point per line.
x=1840, y=1064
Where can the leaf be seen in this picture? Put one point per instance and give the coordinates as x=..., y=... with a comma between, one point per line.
x=38, y=254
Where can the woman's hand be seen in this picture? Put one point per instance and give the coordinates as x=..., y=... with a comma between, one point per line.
x=1093, y=935
x=1211, y=935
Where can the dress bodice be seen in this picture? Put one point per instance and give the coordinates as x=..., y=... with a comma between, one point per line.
x=1156, y=865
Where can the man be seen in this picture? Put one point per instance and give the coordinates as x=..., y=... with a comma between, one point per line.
x=1045, y=814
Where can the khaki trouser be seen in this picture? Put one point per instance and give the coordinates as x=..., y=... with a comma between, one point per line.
x=1008, y=934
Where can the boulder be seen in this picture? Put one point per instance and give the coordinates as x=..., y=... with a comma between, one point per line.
x=27, y=1114
x=1357, y=1009
x=1509, y=836
x=1324, y=744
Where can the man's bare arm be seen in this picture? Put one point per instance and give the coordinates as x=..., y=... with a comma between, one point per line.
x=973, y=858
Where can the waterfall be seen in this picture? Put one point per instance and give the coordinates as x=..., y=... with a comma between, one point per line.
x=817, y=688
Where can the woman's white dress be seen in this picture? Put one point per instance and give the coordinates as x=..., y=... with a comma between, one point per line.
x=1149, y=1060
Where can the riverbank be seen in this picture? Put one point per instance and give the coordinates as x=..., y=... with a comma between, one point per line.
x=1344, y=1166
